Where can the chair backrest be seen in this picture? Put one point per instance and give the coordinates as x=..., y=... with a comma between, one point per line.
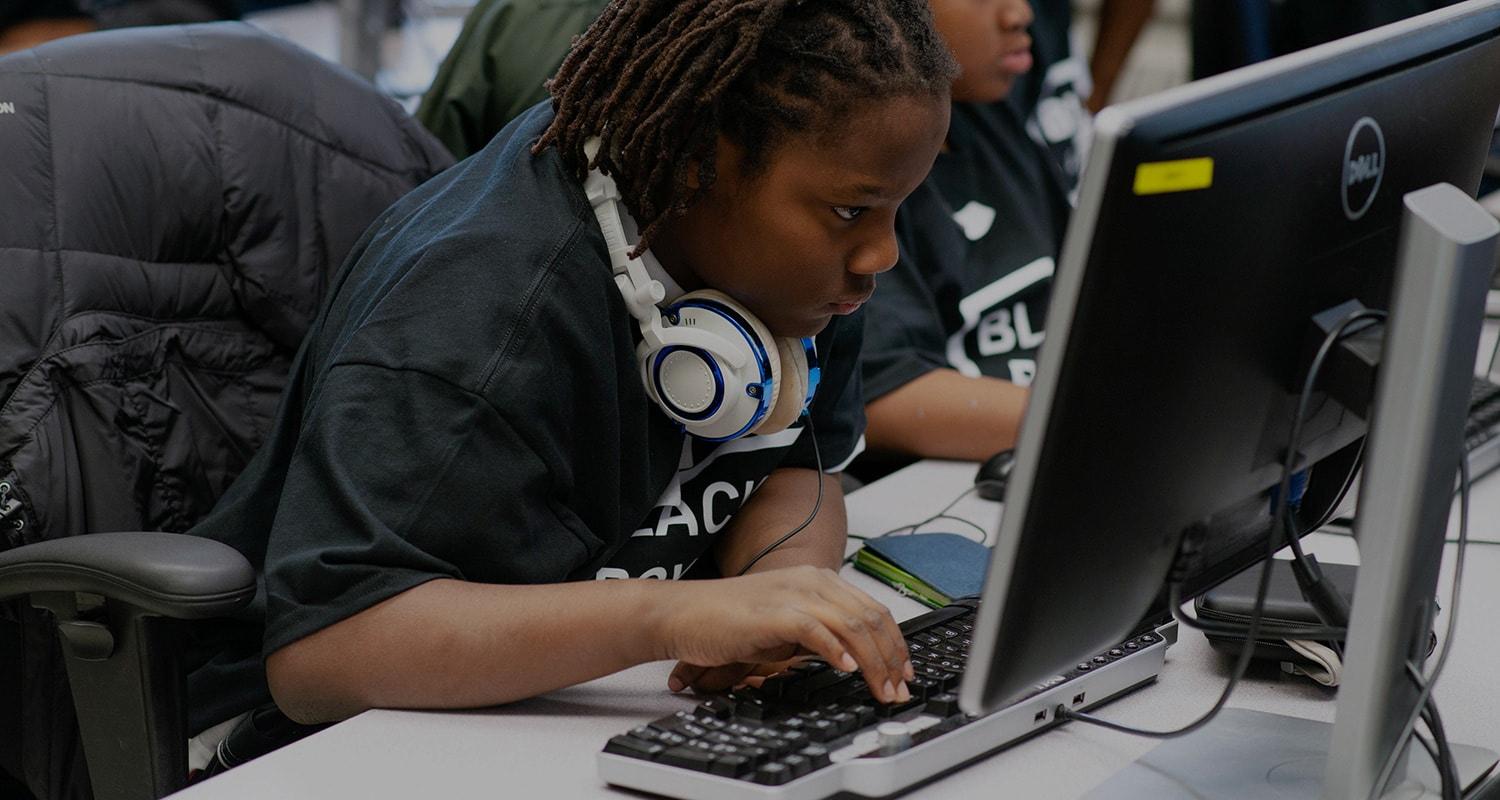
x=177, y=200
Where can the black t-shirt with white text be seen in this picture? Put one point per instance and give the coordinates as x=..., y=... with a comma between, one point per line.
x=469, y=406
x=978, y=244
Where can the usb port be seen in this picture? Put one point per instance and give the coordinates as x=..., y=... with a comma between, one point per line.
x=1041, y=716
x=1078, y=698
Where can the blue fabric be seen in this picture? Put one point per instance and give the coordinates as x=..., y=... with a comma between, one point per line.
x=954, y=565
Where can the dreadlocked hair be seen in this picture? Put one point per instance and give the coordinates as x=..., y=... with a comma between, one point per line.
x=659, y=80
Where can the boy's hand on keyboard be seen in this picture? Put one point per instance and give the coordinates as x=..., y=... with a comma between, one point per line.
x=721, y=679
x=775, y=615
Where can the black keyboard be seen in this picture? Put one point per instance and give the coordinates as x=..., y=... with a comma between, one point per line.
x=1484, y=413
x=1482, y=429
x=816, y=731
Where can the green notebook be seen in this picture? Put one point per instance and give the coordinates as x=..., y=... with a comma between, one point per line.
x=932, y=568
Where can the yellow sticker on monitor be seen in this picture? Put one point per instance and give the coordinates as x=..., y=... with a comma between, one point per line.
x=1186, y=175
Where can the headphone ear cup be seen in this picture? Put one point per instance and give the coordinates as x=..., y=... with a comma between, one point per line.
x=791, y=392
x=764, y=365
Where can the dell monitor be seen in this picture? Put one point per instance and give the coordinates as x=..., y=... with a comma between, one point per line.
x=1215, y=222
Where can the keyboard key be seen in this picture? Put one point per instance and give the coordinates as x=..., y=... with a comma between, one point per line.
x=837, y=696
x=716, y=708
x=823, y=679
x=923, y=686
x=731, y=766
x=795, y=738
x=823, y=730
x=646, y=732
x=942, y=705
x=754, y=708
x=816, y=755
x=687, y=757
x=671, y=738
x=683, y=723
x=864, y=714
x=884, y=711
x=758, y=754
x=799, y=765
x=632, y=747
x=772, y=774
x=777, y=746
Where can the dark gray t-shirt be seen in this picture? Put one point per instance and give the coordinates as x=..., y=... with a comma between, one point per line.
x=469, y=406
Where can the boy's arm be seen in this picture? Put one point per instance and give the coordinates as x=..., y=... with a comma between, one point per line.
x=778, y=507
x=455, y=644
x=782, y=503
x=1120, y=24
x=944, y=414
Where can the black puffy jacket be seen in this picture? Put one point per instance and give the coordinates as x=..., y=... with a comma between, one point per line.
x=173, y=202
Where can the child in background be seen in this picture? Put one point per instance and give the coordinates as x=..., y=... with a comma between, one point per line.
x=952, y=335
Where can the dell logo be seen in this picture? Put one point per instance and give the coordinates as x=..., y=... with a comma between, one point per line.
x=7, y=108
x=1364, y=166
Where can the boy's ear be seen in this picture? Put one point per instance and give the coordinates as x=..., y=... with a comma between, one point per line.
x=725, y=152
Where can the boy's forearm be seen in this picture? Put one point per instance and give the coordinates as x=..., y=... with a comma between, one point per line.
x=453, y=644
x=944, y=414
x=778, y=507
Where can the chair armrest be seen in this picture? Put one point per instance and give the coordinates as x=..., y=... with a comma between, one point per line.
x=172, y=574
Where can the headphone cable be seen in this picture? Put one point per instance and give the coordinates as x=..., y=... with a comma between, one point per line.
x=817, y=504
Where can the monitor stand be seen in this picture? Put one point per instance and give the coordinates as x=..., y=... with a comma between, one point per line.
x=1447, y=256
x=1252, y=755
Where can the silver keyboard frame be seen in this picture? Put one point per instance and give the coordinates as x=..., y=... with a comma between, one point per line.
x=881, y=776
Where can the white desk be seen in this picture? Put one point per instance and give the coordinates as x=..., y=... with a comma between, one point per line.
x=545, y=747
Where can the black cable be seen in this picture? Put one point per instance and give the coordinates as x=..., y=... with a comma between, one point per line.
x=1446, y=764
x=942, y=514
x=1327, y=603
x=1436, y=754
x=817, y=504
x=1257, y=615
x=1338, y=500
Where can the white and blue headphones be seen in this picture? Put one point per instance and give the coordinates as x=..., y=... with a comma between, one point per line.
x=706, y=360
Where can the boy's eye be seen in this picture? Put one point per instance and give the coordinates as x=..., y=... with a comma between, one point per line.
x=849, y=213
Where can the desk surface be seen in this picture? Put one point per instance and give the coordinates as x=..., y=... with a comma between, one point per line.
x=545, y=747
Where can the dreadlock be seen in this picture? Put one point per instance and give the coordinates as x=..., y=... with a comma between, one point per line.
x=660, y=80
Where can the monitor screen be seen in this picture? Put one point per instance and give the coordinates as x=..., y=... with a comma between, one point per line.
x=1215, y=221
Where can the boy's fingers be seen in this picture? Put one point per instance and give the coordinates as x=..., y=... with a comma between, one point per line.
x=684, y=675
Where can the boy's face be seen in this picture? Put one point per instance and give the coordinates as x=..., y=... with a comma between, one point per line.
x=988, y=39
x=802, y=238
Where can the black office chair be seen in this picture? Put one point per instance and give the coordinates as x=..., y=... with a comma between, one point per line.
x=177, y=200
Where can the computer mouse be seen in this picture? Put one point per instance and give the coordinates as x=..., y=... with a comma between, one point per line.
x=993, y=474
